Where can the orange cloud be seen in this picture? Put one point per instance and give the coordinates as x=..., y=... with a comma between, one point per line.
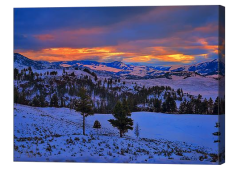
x=45, y=37
x=210, y=28
x=106, y=53
x=67, y=54
x=135, y=51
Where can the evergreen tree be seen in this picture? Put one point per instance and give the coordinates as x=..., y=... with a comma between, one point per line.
x=137, y=130
x=62, y=105
x=157, y=105
x=97, y=125
x=15, y=73
x=216, y=106
x=54, y=101
x=179, y=91
x=196, y=103
x=122, y=121
x=73, y=74
x=16, y=95
x=29, y=69
x=71, y=90
x=22, y=98
x=84, y=105
x=95, y=77
x=190, y=109
x=204, y=106
x=170, y=105
x=42, y=100
x=164, y=107
x=102, y=107
x=35, y=101
x=210, y=106
x=31, y=76
x=183, y=107
x=222, y=106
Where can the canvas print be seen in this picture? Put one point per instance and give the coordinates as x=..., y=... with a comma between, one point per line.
x=120, y=84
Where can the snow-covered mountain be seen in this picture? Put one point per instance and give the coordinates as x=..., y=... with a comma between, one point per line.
x=21, y=61
x=205, y=68
x=117, y=68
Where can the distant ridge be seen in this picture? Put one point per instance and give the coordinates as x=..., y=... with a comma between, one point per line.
x=213, y=67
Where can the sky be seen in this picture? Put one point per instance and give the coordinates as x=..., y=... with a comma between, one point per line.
x=169, y=35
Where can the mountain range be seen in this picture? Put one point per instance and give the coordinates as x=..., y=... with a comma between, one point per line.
x=117, y=68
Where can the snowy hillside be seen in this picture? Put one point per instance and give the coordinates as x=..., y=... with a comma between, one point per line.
x=21, y=62
x=206, y=86
x=205, y=68
x=54, y=134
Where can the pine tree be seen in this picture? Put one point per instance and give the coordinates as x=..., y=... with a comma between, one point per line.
x=31, y=77
x=122, y=121
x=29, y=69
x=35, y=101
x=62, y=105
x=164, y=107
x=170, y=105
x=190, y=109
x=15, y=73
x=16, y=95
x=84, y=105
x=204, y=106
x=216, y=106
x=54, y=101
x=222, y=106
x=210, y=106
x=183, y=107
x=22, y=98
x=137, y=130
x=42, y=100
x=157, y=105
x=97, y=125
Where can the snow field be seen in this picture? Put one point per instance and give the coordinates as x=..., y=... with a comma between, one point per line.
x=55, y=134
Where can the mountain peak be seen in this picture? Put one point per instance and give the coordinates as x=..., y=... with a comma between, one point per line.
x=21, y=61
x=117, y=64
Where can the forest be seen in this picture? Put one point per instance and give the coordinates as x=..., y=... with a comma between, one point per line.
x=49, y=89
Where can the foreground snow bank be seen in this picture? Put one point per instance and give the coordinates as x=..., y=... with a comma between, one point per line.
x=54, y=134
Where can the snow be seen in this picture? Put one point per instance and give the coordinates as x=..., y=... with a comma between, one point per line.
x=60, y=72
x=192, y=128
x=65, y=65
x=103, y=68
x=177, y=67
x=207, y=87
x=138, y=71
x=55, y=134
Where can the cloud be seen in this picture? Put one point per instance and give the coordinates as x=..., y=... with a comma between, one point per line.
x=45, y=37
x=132, y=34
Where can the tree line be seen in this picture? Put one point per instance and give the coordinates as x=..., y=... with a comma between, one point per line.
x=48, y=89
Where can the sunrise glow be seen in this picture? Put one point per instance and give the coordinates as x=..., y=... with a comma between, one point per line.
x=155, y=35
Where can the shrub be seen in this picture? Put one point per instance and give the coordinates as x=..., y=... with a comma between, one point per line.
x=49, y=148
x=77, y=139
x=70, y=141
